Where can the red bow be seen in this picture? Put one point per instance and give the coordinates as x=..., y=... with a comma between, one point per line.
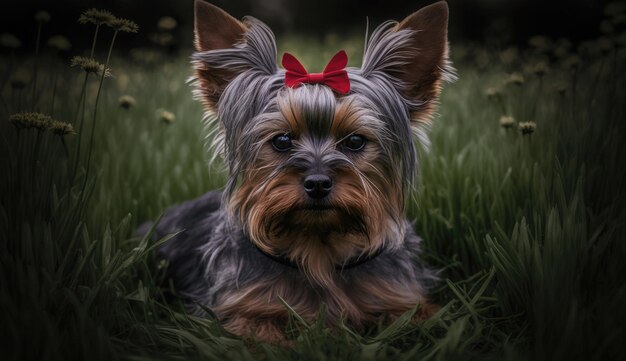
x=333, y=76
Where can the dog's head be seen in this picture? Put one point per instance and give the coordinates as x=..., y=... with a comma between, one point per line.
x=315, y=175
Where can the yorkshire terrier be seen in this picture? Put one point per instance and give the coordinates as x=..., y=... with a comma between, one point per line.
x=320, y=166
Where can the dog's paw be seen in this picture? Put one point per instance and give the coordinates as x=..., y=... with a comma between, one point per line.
x=251, y=331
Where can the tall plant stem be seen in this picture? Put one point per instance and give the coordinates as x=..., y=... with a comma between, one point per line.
x=82, y=100
x=592, y=97
x=95, y=39
x=574, y=78
x=537, y=97
x=95, y=113
x=54, y=92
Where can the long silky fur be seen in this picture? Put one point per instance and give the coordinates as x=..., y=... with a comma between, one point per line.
x=260, y=80
x=213, y=258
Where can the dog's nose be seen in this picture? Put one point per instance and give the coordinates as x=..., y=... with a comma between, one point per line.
x=318, y=185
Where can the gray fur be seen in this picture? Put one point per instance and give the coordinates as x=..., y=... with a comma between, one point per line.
x=251, y=96
x=212, y=253
x=211, y=256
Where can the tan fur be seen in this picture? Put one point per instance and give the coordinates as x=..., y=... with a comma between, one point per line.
x=270, y=206
x=293, y=116
x=256, y=311
x=318, y=242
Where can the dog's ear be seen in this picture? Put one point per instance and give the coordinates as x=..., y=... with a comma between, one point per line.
x=419, y=60
x=429, y=48
x=214, y=29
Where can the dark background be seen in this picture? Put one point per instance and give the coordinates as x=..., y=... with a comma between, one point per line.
x=499, y=21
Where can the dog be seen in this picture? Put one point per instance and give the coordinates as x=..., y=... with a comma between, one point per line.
x=320, y=166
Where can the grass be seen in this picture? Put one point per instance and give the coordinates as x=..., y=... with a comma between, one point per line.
x=527, y=230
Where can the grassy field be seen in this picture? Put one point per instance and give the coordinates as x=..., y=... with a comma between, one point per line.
x=526, y=228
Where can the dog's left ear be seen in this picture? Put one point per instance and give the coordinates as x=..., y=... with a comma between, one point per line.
x=421, y=64
x=430, y=49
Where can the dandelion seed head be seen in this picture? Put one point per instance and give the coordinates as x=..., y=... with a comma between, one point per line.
x=146, y=56
x=572, y=62
x=96, y=16
x=42, y=17
x=59, y=42
x=167, y=23
x=61, y=128
x=122, y=80
x=562, y=48
x=604, y=45
x=527, y=128
x=167, y=117
x=564, y=42
x=9, y=41
x=126, y=101
x=507, y=121
x=30, y=120
x=493, y=91
x=482, y=58
x=540, y=68
x=124, y=25
x=509, y=55
x=163, y=39
x=588, y=48
x=561, y=52
x=515, y=79
x=540, y=42
x=90, y=65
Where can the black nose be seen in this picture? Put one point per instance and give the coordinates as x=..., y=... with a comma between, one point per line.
x=317, y=185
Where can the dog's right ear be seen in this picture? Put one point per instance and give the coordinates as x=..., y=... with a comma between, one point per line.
x=214, y=29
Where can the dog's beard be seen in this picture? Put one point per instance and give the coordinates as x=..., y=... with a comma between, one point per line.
x=342, y=230
x=319, y=240
x=325, y=223
x=317, y=237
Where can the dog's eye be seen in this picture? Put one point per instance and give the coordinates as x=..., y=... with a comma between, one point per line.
x=354, y=142
x=282, y=142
